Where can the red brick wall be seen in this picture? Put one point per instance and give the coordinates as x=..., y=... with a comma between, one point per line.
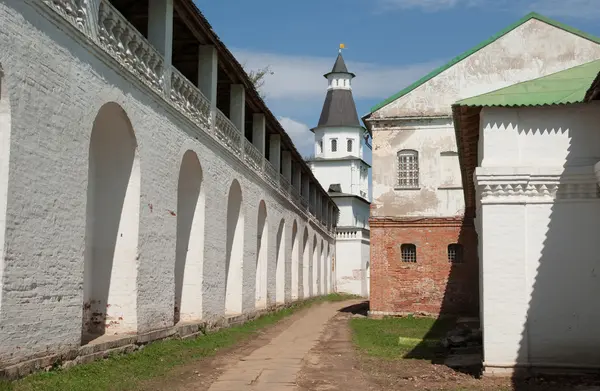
x=432, y=285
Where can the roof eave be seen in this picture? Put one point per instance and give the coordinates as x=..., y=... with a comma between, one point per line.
x=481, y=45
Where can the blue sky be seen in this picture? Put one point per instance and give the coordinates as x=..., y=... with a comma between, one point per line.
x=390, y=43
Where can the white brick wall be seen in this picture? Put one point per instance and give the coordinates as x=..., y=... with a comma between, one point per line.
x=539, y=217
x=56, y=87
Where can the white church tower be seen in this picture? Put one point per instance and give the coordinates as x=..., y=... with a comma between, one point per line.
x=339, y=166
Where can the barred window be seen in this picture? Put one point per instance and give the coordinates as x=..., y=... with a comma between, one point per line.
x=408, y=169
x=409, y=253
x=334, y=145
x=455, y=253
x=349, y=146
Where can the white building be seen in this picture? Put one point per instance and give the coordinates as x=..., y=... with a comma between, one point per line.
x=339, y=166
x=145, y=188
x=418, y=216
x=530, y=158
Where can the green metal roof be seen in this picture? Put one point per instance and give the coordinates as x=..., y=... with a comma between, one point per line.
x=468, y=53
x=564, y=87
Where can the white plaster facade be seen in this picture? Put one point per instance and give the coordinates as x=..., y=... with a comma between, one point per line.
x=420, y=119
x=538, y=219
x=120, y=197
x=339, y=161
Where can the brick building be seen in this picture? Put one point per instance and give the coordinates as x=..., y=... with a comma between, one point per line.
x=424, y=256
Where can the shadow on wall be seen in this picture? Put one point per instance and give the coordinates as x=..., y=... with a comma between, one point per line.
x=559, y=320
x=234, y=250
x=459, y=298
x=112, y=224
x=190, y=240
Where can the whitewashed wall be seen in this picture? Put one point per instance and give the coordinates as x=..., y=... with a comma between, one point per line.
x=352, y=256
x=55, y=86
x=539, y=218
x=422, y=119
x=440, y=188
x=342, y=134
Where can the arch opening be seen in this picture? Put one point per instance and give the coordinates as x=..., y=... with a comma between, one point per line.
x=112, y=226
x=234, y=257
x=261, y=256
x=305, y=266
x=5, y=129
x=322, y=270
x=315, y=267
x=189, y=253
x=280, y=269
x=295, y=263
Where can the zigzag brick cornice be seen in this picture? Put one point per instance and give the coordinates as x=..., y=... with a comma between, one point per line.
x=539, y=187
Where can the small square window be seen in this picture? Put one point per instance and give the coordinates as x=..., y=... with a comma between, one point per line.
x=455, y=253
x=409, y=253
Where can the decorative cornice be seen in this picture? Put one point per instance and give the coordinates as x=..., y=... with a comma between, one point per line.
x=416, y=222
x=73, y=11
x=556, y=185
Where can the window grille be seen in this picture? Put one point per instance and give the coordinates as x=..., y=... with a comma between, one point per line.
x=409, y=253
x=455, y=253
x=334, y=145
x=408, y=169
x=349, y=146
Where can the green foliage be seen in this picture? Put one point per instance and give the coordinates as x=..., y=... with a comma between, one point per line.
x=257, y=77
x=395, y=338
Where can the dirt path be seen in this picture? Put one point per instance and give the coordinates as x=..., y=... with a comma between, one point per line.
x=270, y=361
x=332, y=364
x=312, y=350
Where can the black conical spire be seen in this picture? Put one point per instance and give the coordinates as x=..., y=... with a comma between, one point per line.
x=340, y=65
x=339, y=108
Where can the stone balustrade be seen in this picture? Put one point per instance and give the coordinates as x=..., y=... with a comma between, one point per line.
x=123, y=42
x=189, y=100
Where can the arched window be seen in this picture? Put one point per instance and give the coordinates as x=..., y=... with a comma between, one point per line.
x=455, y=253
x=334, y=145
x=408, y=253
x=349, y=145
x=320, y=147
x=408, y=169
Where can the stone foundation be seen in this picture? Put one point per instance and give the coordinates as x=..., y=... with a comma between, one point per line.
x=129, y=343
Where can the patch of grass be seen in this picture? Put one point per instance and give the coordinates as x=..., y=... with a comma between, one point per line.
x=127, y=372
x=394, y=338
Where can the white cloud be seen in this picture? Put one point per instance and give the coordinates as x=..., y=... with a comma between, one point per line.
x=582, y=9
x=300, y=133
x=300, y=78
x=427, y=5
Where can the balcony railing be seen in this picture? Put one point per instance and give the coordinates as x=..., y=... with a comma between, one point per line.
x=227, y=133
x=189, y=100
x=128, y=46
x=124, y=43
x=252, y=155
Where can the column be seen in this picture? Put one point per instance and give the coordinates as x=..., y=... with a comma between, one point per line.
x=160, y=32
x=237, y=107
x=258, y=132
x=208, y=65
x=275, y=151
x=305, y=186
x=286, y=165
x=297, y=179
